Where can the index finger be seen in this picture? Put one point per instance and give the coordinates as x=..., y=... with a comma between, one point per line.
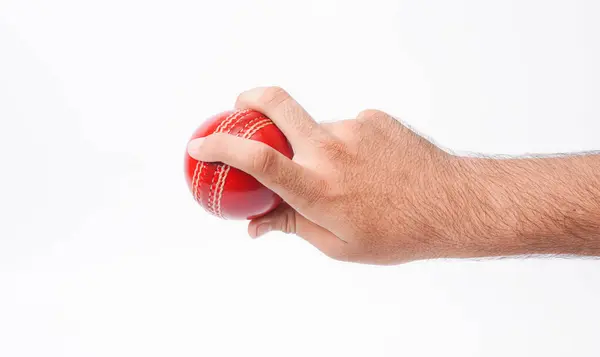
x=287, y=114
x=295, y=184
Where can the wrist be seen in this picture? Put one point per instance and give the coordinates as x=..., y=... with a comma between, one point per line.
x=469, y=209
x=489, y=223
x=464, y=210
x=526, y=206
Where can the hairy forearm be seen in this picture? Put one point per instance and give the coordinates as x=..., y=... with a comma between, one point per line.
x=529, y=206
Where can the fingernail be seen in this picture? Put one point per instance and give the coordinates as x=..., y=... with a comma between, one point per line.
x=193, y=147
x=263, y=228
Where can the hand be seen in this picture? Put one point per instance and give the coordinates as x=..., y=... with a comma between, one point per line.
x=366, y=190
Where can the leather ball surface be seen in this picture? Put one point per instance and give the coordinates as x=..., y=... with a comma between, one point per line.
x=225, y=191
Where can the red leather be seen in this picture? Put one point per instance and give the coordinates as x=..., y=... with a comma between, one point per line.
x=225, y=191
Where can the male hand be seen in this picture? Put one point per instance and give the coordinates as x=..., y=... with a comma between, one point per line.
x=363, y=190
x=370, y=190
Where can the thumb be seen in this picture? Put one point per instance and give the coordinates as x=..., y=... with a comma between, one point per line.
x=285, y=219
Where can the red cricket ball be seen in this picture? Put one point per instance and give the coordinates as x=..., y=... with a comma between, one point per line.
x=225, y=191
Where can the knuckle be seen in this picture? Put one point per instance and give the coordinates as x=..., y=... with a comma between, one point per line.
x=274, y=96
x=375, y=119
x=369, y=114
x=377, y=122
x=286, y=220
x=264, y=160
x=289, y=222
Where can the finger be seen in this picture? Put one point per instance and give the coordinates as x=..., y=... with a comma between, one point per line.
x=292, y=182
x=285, y=219
x=287, y=114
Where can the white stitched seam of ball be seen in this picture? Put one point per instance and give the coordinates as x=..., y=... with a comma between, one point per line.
x=221, y=183
x=197, y=192
x=218, y=173
x=224, y=172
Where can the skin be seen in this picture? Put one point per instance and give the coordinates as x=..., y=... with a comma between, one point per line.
x=369, y=190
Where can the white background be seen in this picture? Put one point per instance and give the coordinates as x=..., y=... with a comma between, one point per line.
x=103, y=252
